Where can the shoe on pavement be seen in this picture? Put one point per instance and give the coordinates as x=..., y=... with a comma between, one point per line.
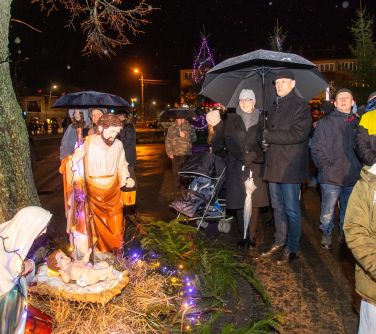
x=252, y=244
x=326, y=240
x=242, y=243
x=274, y=249
x=288, y=257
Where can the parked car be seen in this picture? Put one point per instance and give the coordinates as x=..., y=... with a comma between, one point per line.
x=154, y=125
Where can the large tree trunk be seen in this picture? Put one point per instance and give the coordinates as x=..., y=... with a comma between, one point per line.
x=17, y=188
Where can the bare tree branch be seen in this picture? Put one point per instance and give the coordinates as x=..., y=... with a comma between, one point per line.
x=106, y=23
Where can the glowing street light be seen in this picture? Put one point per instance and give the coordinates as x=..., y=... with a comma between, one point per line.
x=149, y=82
x=152, y=105
x=52, y=87
x=138, y=71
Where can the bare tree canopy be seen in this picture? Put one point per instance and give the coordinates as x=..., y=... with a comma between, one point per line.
x=105, y=23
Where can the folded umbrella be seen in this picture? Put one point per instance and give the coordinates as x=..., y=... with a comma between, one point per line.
x=256, y=70
x=250, y=187
x=90, y=99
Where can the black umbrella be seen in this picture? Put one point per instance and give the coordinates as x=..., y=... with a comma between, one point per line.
x=90, y=99
x=256, y=71
x=178, y=113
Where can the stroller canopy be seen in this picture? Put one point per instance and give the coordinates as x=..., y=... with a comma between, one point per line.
x=203, y=164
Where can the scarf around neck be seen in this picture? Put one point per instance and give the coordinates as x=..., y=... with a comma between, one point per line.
x=249, y=118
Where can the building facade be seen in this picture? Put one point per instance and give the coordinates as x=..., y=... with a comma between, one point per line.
x=37, y=109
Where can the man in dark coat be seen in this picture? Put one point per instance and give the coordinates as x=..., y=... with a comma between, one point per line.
x=339, y=168
x=286, y=138
x=239, y=137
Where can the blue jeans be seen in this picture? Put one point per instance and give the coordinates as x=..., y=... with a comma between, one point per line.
x=330, y=194
x=285, y=198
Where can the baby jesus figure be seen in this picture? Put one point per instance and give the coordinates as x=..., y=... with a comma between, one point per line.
x=80, y=271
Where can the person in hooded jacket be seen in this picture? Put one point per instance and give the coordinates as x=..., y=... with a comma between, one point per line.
x=238, y=138
x=333, y=152
x=359, y=228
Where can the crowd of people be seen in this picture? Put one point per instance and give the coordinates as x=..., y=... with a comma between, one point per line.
x=342, y=145
x=276, y=147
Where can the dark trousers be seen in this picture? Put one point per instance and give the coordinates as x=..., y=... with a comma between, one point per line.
x=253, y=224
x=177, y=164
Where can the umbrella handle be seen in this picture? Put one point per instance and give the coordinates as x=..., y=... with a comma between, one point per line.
x=80, y=138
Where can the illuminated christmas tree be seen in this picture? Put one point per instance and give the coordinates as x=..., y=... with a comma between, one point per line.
x=203, y=60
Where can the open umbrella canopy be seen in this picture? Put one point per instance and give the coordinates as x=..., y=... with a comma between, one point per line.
x=179, y=113
x=90, y=99
x=256, y=70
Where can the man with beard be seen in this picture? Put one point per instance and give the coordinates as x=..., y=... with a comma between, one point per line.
x=106, y=171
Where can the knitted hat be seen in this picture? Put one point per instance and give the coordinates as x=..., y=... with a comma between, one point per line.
x=285, y=74
x=247, y=94
x=344, y=90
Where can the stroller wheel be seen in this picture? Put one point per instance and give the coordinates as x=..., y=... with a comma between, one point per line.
x=224, y=226
x=204, y=224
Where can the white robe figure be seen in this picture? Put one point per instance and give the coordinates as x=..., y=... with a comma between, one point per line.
x=17, y=237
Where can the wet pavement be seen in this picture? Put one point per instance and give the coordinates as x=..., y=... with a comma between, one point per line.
x=315, y=293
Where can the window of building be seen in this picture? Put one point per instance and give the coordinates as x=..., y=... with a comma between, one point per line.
x=33, y=106
x=188, y=76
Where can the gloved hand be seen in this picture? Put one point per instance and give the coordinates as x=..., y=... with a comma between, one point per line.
x=265, y=139
x=129, y=182
x=249, y=157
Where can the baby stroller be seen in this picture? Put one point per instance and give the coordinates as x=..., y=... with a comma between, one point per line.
x=202, y=202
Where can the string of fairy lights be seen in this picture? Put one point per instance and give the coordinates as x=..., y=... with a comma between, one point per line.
x=203, y=61
x=179, y=279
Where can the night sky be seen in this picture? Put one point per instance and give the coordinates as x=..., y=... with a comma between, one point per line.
x=169, y=43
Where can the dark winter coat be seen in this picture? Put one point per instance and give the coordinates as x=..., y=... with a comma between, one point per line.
x=333, y=149
x=289, y=125
x=127, y=136
x=366, y=138
x=241, y=148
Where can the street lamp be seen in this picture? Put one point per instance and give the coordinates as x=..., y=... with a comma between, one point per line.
x=49, y=99
x=153, y=103
x=138, y=71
